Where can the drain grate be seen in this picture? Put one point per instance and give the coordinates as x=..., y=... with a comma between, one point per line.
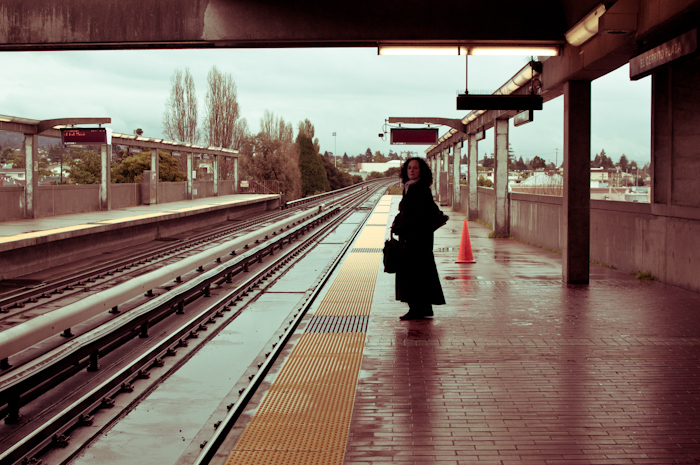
x=338, y=324
x=366, y=250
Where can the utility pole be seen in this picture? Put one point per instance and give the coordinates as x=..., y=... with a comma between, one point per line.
x=335, y=151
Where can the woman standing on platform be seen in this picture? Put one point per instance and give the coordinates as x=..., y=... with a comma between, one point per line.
x=417, y=281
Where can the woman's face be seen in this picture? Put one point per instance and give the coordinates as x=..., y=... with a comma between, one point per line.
x=413, y=170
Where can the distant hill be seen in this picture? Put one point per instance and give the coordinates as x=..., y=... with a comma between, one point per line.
x=15, y=140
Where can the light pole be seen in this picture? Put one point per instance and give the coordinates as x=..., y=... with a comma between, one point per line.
x=335, y=150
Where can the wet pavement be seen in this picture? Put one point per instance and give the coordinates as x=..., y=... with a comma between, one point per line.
x=520, y=368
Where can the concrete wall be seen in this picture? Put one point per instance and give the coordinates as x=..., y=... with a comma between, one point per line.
x=11, y=207
x=203, y=188
x=536, y=219
x=67, y=198
x=487, y=204
x=172, y=191
x=125, y=195
x=626, y=235
x=70, y=198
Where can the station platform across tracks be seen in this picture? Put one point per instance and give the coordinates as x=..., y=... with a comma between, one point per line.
x=517, y=368
x=29, y=245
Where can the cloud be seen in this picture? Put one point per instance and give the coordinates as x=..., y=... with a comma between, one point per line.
x=347, y=91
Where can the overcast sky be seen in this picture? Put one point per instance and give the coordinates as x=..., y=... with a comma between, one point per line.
x=347, y=91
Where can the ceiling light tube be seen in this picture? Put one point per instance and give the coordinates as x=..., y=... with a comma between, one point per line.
x=510, y=50
x=585, y=29
x=418, y=50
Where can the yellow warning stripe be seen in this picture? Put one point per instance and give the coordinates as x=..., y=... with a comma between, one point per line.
x=304, y=417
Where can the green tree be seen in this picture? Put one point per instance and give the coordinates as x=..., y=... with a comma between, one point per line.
x=394, y=172
x=537, y=163
x=131, y=169
x=484, y=182
x=375, y=175
x=520, y=164
x=336, y=178
x=623, y=163
x=356, y=179
x=267, y=157
x=313, y=175
x=368, y=156
x=346, y=159
x=379, y=158
x=15, y=158
x=85, y=167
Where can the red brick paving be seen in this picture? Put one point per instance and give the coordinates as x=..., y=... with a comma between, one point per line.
x=519, y=368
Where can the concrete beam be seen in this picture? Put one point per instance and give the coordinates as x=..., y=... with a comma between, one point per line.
x=105, y=178
x=576, y=212
x=456, y=172
x=31, y=176
x=473, y=178
x=501, y=223
x=76, y=24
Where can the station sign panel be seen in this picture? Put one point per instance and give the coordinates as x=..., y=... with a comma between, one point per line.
x=682, y=46
x=523, y=117
x=421, y=136
x=83, y=136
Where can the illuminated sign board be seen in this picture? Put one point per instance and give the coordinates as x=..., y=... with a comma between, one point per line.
x=83, y=136
x=644, y=64
x=523, y=117
x=424, y=136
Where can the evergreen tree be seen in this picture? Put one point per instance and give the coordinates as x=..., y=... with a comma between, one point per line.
x=346, y=159
x=368, y=156
x=336, y=178
x=623, y=163
x=85, y=167
x=313, y=176
x=537, y=163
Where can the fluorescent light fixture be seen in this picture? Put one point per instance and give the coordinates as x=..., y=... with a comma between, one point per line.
x=418, y=50
x=6, y=120
x=585, y=29
x=510, y=50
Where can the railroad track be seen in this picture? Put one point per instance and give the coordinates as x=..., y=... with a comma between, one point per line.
x=117, y=351
x=24, y=303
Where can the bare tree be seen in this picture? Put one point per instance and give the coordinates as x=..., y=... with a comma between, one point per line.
x=221, y=107
x=240, y=133
x=180, y=117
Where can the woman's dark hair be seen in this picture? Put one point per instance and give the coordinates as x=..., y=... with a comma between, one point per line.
x=426, y=176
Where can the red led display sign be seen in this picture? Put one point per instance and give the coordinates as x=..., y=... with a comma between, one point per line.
x=83, y=136
x=425, y=136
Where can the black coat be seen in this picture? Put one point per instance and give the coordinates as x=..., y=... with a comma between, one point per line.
x=417, y=281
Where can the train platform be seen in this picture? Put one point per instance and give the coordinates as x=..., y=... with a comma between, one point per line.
x=31, y=244
x=516, y=368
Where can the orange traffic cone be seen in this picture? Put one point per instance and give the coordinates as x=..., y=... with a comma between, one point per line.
x=465, y=247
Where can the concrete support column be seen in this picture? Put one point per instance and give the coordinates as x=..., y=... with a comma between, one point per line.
x=501, y=221
x=31, y=175
x=576, y=212
x=106, y=177
x=189, y=175
x=235, y=175
x=155, y=170
x=456, y=170
x=473, y=178
x=216, y=175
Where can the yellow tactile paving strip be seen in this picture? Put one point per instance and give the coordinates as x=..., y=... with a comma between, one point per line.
x=304, y=418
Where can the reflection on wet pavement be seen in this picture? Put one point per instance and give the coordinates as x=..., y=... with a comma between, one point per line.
x=520, y=368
